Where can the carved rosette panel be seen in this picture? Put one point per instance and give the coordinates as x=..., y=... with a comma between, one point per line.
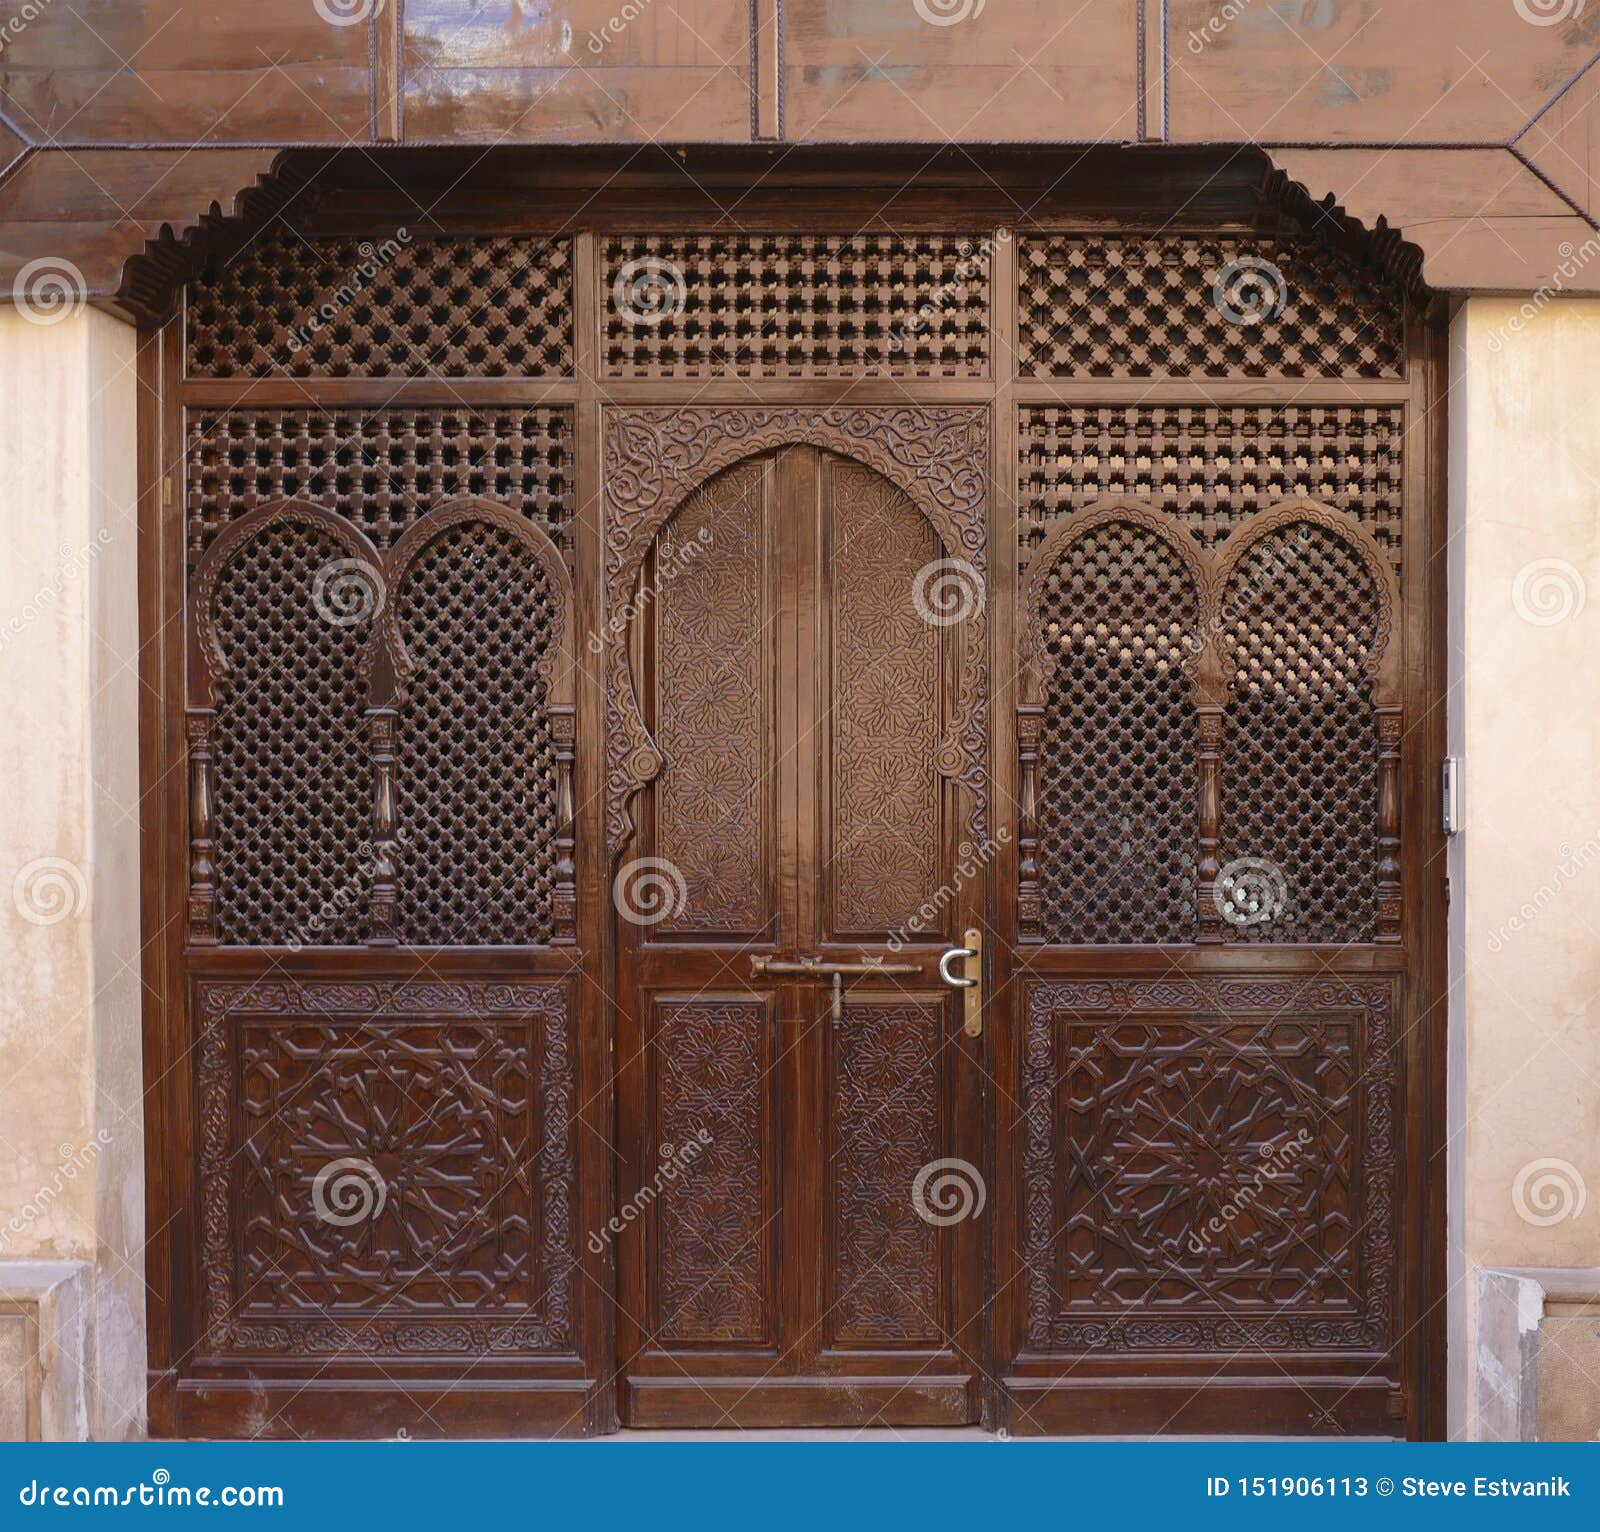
x=886, y=1275
x=713, y=1221
x=655, y=456
x=885, y=663
x=1210, y=1165
x=441, y=1113
x=712, y=704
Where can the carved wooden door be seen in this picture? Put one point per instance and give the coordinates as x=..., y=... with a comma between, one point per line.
x=799, y=1210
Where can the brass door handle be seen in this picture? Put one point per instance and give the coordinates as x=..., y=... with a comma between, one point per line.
x=969, y=981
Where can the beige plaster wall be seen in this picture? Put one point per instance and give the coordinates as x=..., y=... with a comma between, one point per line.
x=1525, y=719
x=71, y=1137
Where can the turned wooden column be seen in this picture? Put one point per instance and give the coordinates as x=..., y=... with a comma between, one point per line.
x=385, y=875
x=1030, y=720
x=202, y=829
x=563, y=728
x=1390, y=733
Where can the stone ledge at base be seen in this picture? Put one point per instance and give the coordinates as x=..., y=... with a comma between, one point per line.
x=44, y=1353
x=1538, y=1347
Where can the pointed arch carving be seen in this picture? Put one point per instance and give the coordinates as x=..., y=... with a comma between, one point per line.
x=207, y=663
x=1147, y=878
x=1326, y=902
x=1066, y=532
x=207, y=747
x=384, y=670
x=1383, y=661
x=654, y=457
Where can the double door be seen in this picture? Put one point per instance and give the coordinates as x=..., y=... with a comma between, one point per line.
x=799, y=1055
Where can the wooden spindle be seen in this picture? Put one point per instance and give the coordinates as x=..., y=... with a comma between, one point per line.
x=202, y=829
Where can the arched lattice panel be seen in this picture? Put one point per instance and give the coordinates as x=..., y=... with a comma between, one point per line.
x=1118, y=611
x=1300, y=768
x=292, y=786
x=475, y=758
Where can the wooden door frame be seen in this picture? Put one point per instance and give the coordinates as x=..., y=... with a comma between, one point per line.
x=1125, y=193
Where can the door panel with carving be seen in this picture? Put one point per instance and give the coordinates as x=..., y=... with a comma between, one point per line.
x=787, y=1137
